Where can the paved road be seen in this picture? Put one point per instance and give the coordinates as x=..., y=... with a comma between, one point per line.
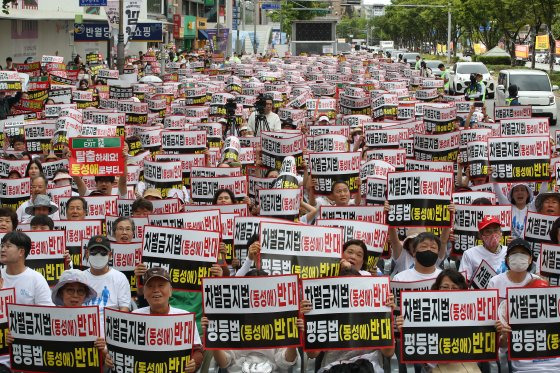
x=543, y=66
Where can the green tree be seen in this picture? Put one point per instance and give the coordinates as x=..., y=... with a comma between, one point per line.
x=289, y=13
x=355, y=26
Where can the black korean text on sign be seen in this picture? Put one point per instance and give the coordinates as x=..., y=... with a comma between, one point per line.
x=54, y=339
x=418, y=198
x=535, y=323
x=347, y=313
x=449, y=326
x=251, y=313
x=158, y=343
x=187, y=254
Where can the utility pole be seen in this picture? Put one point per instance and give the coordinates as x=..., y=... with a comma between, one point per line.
x=217, y=46
x=120, y=42
x=255, y=4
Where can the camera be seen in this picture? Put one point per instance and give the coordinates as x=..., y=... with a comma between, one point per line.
x=260, y=104
x=230, y=106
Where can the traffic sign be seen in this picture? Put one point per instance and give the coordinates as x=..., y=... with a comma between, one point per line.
x=274, y=6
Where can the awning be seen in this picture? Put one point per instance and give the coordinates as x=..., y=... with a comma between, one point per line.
x=202, y=34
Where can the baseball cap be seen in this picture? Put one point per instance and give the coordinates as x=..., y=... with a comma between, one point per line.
x=156, y=272
x=152, y=192
x=99, y=241
x=323, y=117
x=222, y=120
x=488, y=220
x=519, y=242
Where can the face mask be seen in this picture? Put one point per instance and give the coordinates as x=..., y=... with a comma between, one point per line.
x=518, y=262
x=426, y=258
x=492, y=241
x=98, y=261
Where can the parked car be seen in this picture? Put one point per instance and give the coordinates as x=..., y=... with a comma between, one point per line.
x=534, y=90
x=541, y=58
x=410, y=58
x=433, y=65
x=460, y=73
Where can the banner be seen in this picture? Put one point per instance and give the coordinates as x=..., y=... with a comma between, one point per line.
x=275, y=149
x=449, y=326
x=96, y=156
x=327, y=168
x=541, y=42
x=419, y=198
x=187, y=254
x=304, y=250
x=522, y=51
x=54, y=339
x=91, y=32
x=372, y=234
x=348, y=313
x=465, y=226
x=281, y=203
x=533, y=316
x=327, y=143
x=395, y=157
x=537, y=230
x=250, y=313
x=138, y=340
x=518, y=159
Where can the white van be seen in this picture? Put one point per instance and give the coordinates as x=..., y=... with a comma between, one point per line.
x=534, y=90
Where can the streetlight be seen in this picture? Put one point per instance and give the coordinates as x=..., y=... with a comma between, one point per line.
x=120, y=40
x=255, y=5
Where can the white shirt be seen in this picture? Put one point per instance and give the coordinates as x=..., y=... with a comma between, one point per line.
x=274, y=123
x=30, y=287
x=275, y=358
x=502, y=282
x=113, y=291
x=413, y=275
x=473, y=257
x=173, y=311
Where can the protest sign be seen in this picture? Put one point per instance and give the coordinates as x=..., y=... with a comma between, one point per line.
x=418, y=198
x=47, y=254
x=465, y=225
x=374, y=235
x=550, y=263
x=280, y=203
x=275, y=149
x=449, y=326
x=247, y=313
x=521, y=158
x=395, y=157
x=537, y=230
x=183, y=141
x=10, y=81
x=126, y=256
x=162, y=341
x=199, y=220
x=14, y=192
x=376, y=191
x=482, y=275
x=7, y=296
x=203, y=189
x=385, y=137
x=397, y=287
x=76, y=231
x=512, y=112
x=98, y=207
x=525, y=127
x=96, y=156
x=48, y=339
x=245, y=227
x=187, y=254
x=467, y=198
x=347, y=313
x=374, y=214
x=300, y=249
x=138, y=226
x=327, y=143
x=534, y=318
x=327, y=168
x=417, y=165
x=164, y=176
x=436, y=147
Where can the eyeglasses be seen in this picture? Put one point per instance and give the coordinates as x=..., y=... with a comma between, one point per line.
x=74, y=291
